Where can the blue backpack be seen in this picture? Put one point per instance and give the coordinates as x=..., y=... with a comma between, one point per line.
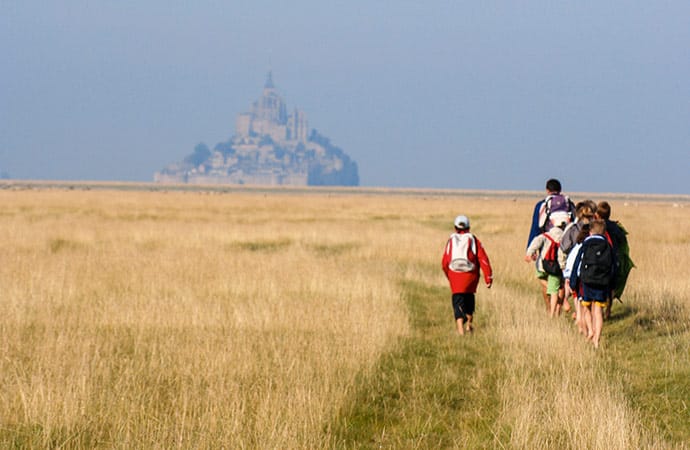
x=596, y=267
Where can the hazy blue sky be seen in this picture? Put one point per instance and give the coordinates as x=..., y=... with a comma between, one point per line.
x=445, y=94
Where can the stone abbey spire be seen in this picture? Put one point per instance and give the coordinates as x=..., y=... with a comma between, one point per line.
x=268, y=117
x=269, y=81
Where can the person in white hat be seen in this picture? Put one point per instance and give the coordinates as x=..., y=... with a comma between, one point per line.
x=463, y=258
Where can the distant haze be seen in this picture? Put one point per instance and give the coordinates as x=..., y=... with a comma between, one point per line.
x=441, y=94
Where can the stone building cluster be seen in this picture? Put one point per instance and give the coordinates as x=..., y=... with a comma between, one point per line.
x=270, y=147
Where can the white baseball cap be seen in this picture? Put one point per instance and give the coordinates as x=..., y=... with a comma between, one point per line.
x=462, y=222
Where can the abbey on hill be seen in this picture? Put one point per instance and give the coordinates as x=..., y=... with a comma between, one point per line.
x=270, y=147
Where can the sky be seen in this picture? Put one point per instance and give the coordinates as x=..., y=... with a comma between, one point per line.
x=497, y=95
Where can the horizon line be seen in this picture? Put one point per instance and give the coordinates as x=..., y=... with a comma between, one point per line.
x=227, y=188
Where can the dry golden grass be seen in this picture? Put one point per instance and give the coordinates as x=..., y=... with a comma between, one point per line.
x=151, y=320
x=178, y=320
x=557, y=392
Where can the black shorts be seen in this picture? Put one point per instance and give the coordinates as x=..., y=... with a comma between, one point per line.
x=463, y=304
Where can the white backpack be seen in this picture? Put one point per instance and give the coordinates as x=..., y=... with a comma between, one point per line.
x=461, y=244
x=557, y=209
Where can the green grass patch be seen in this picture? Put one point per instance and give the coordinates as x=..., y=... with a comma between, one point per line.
x=327, y=250
x=433, y=390
x=59, y=244
x=263, y=245
x=650, y=350
x=385, y=217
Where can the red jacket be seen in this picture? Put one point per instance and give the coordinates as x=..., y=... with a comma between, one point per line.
x=466, y=282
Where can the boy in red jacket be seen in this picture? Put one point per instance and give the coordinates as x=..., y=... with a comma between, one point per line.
x=462, y=259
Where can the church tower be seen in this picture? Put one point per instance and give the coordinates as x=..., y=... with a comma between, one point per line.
x=270, y=107
x=268, y=117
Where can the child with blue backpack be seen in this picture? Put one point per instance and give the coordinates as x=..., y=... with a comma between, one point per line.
x=594, y=270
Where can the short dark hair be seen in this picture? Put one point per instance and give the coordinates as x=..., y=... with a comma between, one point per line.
x=553, y=185
x=604, y=210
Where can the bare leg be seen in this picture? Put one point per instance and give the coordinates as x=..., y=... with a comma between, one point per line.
x=568, y=293
x=469, y=326
x=547, y=300
x=579, y=317
x=564, y=300
x=587, y=315
x=559, y=301
x=609, y=304
x=597, y=323
x=554, y=309
x=458, y=324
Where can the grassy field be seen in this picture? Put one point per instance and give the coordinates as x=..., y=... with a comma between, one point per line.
x=321, y=319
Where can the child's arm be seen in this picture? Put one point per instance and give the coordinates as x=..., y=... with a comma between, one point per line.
x=534, y=248
x=445, y=261
x=484, y=264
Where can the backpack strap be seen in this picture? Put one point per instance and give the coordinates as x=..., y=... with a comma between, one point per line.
x=547, y=236
x=473, y=245
x=595, y=237
x=571, y=209
x=547, y=205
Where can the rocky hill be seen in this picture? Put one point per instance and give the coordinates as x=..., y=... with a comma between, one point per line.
x=270, y=147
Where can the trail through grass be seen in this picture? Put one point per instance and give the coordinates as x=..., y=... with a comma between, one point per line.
x=434, y=390
x=439, y=390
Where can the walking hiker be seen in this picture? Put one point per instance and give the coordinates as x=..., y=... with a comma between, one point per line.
x=584, y=213
x=463, y=258
x=594, y=269
x=544, y=250
x=619, y=241
x=576, y=290
x=551, y=211
x=555, y=208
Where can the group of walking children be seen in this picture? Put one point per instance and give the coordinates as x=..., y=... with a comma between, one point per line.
x=580, y=254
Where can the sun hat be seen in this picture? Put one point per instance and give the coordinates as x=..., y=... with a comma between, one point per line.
x=462, y=222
